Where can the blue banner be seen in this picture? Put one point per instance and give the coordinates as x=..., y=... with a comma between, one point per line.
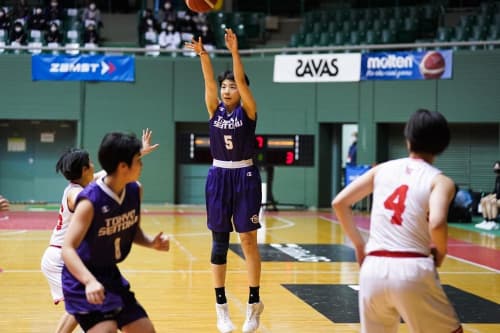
x=407, y=65
x=83, y=68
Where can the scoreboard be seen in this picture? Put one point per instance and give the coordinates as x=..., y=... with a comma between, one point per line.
x=270, y=150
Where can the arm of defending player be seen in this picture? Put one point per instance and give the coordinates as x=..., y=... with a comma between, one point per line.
x=442, y=193
x=211, y=97
x=342, y=205
x=247, y=99
x=80, y=223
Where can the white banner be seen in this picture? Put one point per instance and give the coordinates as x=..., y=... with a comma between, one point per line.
x=341, y=67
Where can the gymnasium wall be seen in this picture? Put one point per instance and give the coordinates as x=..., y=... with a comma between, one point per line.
x=169, y=91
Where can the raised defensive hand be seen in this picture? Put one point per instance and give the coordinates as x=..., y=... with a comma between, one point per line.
x=147, y=147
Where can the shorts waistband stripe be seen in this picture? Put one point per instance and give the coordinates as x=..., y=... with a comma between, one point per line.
x=232, y=164
x=58, y=246
x=397, y=254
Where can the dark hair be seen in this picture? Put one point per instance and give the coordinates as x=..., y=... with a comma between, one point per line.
x=71, y=163
x=229, y=75
x=427, y=132
x=118, y=147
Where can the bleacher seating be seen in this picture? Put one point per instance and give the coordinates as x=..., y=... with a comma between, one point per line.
x=396, y=24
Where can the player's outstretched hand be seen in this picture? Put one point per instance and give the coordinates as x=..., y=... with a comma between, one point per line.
x=195, y=45
x=231, y=40
x=161, y=242
x=147, y=147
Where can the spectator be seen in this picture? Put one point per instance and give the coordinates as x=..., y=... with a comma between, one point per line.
x=92, y=14
x=148, y=22
x=352, y=154
x=37, y=21
x=4, y=204
x=53, y=35
x=18, y=35
x=91, y=35
x=207, y=35
x=4, y=20
x=167, y=13
x=54, y=13
x=21, y=11
x=490, y=203
x=169, y=37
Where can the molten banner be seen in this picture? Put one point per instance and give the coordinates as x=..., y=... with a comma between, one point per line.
x=407, y=65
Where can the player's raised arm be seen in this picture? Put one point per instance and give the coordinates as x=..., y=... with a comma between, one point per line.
x=211, y=94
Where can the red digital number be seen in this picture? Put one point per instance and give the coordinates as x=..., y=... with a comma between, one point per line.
x=289, y=158
x=260, y=141
x=396, y=203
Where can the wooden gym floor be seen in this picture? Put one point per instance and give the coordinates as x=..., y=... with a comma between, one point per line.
x=309, y=274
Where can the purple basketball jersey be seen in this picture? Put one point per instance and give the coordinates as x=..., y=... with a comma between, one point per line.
x=108, y=241
x=232, y=135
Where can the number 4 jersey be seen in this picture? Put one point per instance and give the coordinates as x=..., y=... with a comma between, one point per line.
x=399, y=217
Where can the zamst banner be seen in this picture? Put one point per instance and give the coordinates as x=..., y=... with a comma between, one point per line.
x=407, y=65
x=83, y=68
x=333, y=67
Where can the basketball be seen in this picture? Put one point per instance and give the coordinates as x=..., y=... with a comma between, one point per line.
x=432, y=65
x=201, y=6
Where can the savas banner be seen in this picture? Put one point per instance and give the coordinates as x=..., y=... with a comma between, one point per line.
x=342, y=67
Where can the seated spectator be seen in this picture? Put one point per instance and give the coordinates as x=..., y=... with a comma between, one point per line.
x=53, y=35
x=207, y=35
x=490, y=203
x=4, y=204
x=21, y=11
x=91, y=35
x=148, y=22
x=167, y=13
x=187, y=25
x=17, y=34
x=92, y=14
x=54, y=13
x=37, y=20
x=4, y=20
x=169, y=37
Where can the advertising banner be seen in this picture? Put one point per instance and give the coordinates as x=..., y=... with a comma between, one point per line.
x=83, y=68
x=407, y=65
x=344, y=67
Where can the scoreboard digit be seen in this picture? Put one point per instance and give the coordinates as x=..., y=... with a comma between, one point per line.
x=270, y=150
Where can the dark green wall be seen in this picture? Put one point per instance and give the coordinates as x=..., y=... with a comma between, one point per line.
x=168, y=91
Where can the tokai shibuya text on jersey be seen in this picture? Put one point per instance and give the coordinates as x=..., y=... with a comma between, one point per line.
x=118, y=223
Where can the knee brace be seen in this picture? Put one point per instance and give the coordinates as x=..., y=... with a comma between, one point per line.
x=220, y=246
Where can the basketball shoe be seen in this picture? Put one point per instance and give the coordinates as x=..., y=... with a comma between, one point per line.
x=253, y=317
x=224, y=323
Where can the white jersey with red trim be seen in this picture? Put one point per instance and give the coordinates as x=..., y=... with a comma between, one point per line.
x=399, y=217
x=63, y=218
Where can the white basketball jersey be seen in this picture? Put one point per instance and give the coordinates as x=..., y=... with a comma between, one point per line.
x=399, y=217
x=63, y=218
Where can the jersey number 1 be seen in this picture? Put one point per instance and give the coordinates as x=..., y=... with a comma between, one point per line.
x=396, y=203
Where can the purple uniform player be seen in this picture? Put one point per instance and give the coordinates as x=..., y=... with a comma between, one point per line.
x=105, y=224
x=233, y=188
